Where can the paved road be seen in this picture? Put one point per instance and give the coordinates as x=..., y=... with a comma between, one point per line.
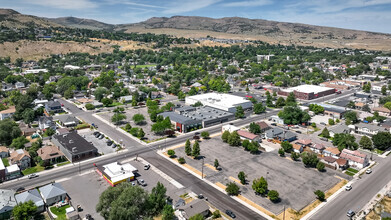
x=362, y=192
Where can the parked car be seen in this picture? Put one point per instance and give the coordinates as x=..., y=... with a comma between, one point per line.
x=200, y=196
x=348, y=187
x=274, y=124
x=299, y=132
x=133, y=184
x=101, y=136
x=97, y=135
x=147, y=166
x=19, y=189
x=322, y=123
x=109, y=143
x=350, y=213
x=33, y=175
x=141, y=182
x=95, y=132
x=324, y=139
x=230, y=213
x=368, y=171
x=114, y=146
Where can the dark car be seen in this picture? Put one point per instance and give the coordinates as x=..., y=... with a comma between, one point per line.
x=97, y=135
x=109, y=143
x=299, y=132
x=274, y=124
x=96, y=132
x=230, y=213
x=19, y=189
x=114, y=146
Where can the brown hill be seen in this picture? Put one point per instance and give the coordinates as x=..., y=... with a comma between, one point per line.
x=82, y=23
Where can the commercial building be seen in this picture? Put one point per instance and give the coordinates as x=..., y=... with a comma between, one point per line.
x=182, y=124
x=307, y=92
x=116, y=173
x=225, y=102
x=331, y=110
x=74, y=147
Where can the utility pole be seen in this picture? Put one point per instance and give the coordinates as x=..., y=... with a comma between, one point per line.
x=283, y=218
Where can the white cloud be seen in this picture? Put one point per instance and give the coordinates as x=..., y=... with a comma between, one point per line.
x=181, y=6
x=330, y=6
x=62, y=4
x=132, y=3
x=251, y=3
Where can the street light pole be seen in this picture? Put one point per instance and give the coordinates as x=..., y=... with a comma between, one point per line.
x=202, y=168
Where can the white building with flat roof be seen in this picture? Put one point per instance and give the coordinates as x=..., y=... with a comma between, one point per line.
x=115, y=173
x=225, y=102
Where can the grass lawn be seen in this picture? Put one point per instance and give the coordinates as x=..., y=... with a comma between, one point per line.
x=379, y=151
x=59, y=212
x=349, y=173
x=116, y=104
x=352, y=170
x=63, y=163
x=5, y=162
x=31, y=170
x=82, y=126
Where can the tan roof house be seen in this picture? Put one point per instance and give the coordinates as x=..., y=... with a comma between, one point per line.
x=20, y=157
x=50, y=153
x=8, y=113
x=4, y=152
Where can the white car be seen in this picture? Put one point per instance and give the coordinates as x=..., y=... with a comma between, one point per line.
x=33, y=175
x=348, y=187
x=368, y=171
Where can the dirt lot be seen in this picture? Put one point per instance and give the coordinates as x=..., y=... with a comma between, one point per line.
x=292, y=180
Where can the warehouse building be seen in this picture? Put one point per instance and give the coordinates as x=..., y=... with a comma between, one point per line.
x=225, y=102
x=209, y=116
x=181, y=123
x=307, y=92
x=331, y=110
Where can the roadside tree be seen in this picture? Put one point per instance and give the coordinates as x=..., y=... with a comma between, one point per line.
x=242, y=177
x=232, y=189
x=260, y=186
x=366, y=143
x=273, y=195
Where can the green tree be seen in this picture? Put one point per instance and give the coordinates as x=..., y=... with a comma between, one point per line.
x=242, y=177
x=288, y=147
x=49, y=132
x=269, y=100
x=216, y=214
x=140, y=133
x=234, y=139
x=255, y=128
x=89, y=106
x=331, y=121
x=260, y=185
x=197, y=217
x=382, y=140
x=24, y=211
x=232, y=189
x=291, y=100
x=281, y=152
x=259, y=108
x=366, y=143
x=320, y=195
x=225, y=136
x=9, y=130
x=19, y=142
x=128, y=127
x=118, y=117
x=239, y=112
x=107, y=102
x=273, y=195
x=320, y=166
x=325, y=133
x=387, y=105
x=317, y=109
x=343, y=141
x=384, y=90
x=188, y=147
x=205, y=135
x=366, y=108
x=295, y=156
x=280, y=102
x=181, y=95
x=138, y=119
x=367, y=87
x=293, y=115
x=28, y=115
x=216, y=164
x=68, y=94
x=309, y=159
x=196, y=149
x=352, y=116
x=168, y=212
x=100, y=93
x=171, y=153
x=157, y=199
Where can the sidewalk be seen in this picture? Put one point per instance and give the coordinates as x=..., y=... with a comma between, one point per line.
x=371, y=204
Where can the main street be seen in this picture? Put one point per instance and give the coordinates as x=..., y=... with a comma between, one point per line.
x=217, y=198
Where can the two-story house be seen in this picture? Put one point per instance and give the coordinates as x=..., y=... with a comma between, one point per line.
x=46, y=122
x=355, y=158
x=368, y=129
x=53, y=106
x=8, y=113
x=331, y=152
x=20, y=157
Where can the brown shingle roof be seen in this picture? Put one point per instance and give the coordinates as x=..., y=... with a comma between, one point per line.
x=4, y=149
x=11, y=109
x=341, y=162
x=18, y=155
x=49, y=152
x=247, y=134
x=333, y=150
x=263, y=125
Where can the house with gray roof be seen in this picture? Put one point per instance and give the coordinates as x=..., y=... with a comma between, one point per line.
x=7, y=203
x=193, y=208
x=31, y=195
x=52, y=193
x=67, y=120
x=368, y=129
x=338, y=129
x=280, y=134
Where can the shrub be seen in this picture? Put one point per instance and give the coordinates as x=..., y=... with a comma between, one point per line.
x=181, y=160
x=273, y=195
x=232, y=189
x=320, y=166
x=171, y=153
x=281, y=152
x=320, y=195
x=216, y=214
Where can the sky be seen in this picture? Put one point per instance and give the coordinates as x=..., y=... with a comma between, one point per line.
x=369, y=15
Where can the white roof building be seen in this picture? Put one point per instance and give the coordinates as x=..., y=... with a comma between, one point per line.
x=116, y=173
x=36, y=71
x=225, y=102
x=70, y=67
x=307, y=89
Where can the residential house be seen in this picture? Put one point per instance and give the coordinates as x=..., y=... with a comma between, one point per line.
x=342, y=164
x=304, y=142
x=68, y=120
x=2, y=171
x=31, y=195
x=74, y=147
x=62, y=131
x=298, y=148
x=280, y=134
x=359, y=105
x=7, y=203
x=12, y=172
x=317, y=148
x=50, y=153
x=46, y=122
x=20, y=157
x=8, y=113
x=338, y=129
x=19, y=85
x=276, y=119
x=331, y=152
x=53, y=106
x=355, y=158
x=126, y=99
x=368, y=129
x=229, y=128
x=26, y=129
x=52, y=193
x=156, y=95
x=4, y=152
x=245, y=135
x=193, y=208
x=382, y=111
x=264, y=127
x=330, y=162
x=78, y=95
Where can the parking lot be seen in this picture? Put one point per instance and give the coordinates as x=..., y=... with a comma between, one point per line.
x=295, y=183
x=100, y=144
x=85, y=189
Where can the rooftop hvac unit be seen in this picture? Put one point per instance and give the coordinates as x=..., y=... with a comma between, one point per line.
x=71, y=141
x=74, y=149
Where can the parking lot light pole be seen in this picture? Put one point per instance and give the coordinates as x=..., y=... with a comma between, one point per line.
x=202, y=168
